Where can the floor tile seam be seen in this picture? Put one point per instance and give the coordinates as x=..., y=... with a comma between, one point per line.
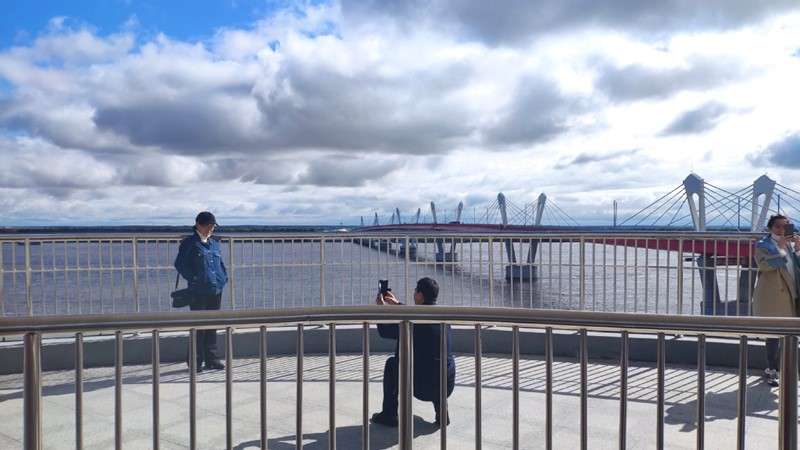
x=291, y=395
x=145, y=371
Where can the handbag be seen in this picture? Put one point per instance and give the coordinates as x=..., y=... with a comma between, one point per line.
x=181, y=298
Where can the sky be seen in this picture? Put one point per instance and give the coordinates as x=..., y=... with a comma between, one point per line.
x=128, y=112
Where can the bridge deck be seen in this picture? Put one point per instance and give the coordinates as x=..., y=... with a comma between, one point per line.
x=737, y=246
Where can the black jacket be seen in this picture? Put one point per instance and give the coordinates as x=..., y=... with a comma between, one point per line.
x=426, y=357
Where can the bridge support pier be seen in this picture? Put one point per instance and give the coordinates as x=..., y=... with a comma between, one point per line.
x=747, y=282
x=708, y=279
x=442, y=256
x=521, y=272
x=410, y=245
x=712, y=304
x=382, y=244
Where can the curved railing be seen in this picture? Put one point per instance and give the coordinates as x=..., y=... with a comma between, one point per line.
x=642, y=272
x=514, y=320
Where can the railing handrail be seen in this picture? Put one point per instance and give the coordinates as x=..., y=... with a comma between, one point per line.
x=455, y=315
x=672, y=272
x=119, y=236
x=476, y=316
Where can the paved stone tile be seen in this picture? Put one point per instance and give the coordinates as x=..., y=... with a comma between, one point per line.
x=603, y=390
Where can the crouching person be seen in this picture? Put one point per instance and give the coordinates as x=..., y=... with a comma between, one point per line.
x=426, y=375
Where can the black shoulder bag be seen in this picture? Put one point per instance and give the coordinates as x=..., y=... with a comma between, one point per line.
x=181, y=298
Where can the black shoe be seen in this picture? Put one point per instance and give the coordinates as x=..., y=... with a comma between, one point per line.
x=199, y=367
x=215, y=365
x=436, y=422
x=385, y=419
x=772, y=377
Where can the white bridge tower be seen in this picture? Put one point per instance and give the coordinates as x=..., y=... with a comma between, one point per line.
x=763, y=190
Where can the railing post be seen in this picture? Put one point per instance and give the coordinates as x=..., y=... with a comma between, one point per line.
x=623, y=390
x=444, y=414
x=332, y=386
x=2, y=277
x=78, y=390
x=661, y=365
x=491, y=271
x=787, y=394
x=679, y=294
x=615, y=264
x=405, y=386
x=322, y=271
x=548, y=390
x=262, y=364
x=231, y=269
x=742, y=394
x=365, y=387
x=156, y=361
x=582, y=276
x=135, y=257
x=32, y=396
x=193, y=388
x=407, y=264
x=229, y=387
x=118, y=365
x=701, y=390
x=478, y=389
x=584, y=407
x=515, y=386
x=299, y=387
x=28, y=282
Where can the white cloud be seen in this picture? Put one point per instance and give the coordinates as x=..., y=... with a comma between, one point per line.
x=40, y=165
x=330, y=112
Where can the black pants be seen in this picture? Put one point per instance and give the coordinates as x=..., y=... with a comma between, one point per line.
x=206, y=339
x=773, y=348
x=390, y=386
x=391, y=389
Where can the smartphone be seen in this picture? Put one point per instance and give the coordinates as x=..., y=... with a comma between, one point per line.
x=383, y=286
x=788, y=229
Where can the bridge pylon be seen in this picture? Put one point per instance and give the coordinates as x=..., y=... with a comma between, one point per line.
x=441, y=254
x=763, y=186
x=515, y=270
x=707, y=263
x=696, y=197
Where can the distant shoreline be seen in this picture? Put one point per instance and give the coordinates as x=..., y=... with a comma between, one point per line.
x=166, y=229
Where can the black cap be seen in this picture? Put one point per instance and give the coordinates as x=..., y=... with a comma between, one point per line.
x=205, y=218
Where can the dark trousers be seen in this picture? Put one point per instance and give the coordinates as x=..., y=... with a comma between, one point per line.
x=390, y=386
x=206, y=339
x=773, y=348
x=391, y=389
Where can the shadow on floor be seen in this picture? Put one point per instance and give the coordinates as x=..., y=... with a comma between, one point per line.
x=380, y=437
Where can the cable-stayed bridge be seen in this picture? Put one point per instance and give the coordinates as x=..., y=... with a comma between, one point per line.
x=694, y=205
x=705, y=225
x=701, y=206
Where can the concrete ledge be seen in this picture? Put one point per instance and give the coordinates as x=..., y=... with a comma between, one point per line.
x=59, y=353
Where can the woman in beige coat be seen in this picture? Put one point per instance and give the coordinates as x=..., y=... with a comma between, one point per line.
x=777, y=287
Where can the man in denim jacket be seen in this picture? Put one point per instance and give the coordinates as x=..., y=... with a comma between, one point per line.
x=199, y=261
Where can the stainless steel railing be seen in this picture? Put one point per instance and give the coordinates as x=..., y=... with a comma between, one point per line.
x=34, y=329
x=658, y=273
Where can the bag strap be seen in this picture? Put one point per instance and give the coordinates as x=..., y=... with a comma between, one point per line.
x=177, y=278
